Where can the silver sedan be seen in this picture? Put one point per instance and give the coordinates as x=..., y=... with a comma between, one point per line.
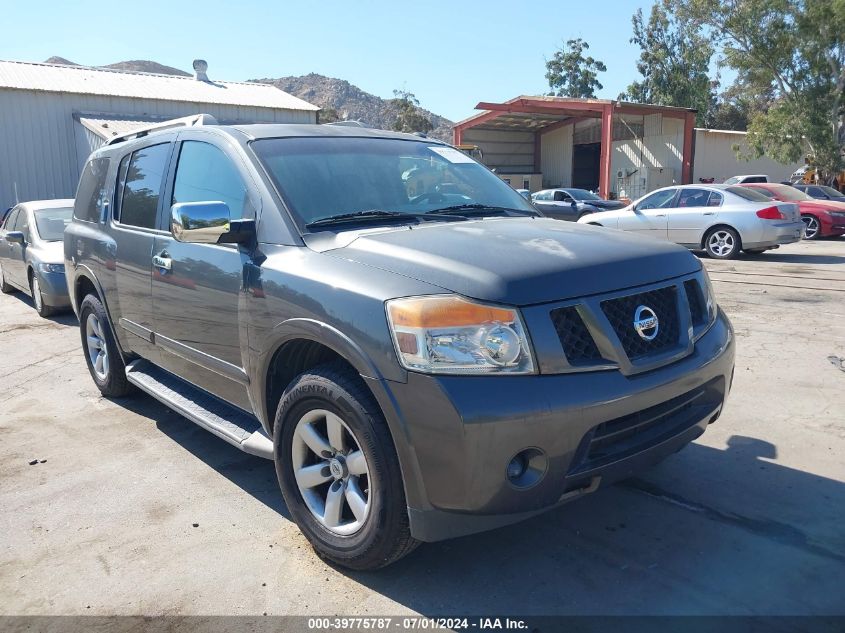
x=32, y=255
x=720, y=219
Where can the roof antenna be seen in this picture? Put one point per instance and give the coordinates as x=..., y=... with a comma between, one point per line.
x=201, y=66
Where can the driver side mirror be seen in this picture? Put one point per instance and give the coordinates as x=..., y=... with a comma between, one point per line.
x=15, y=237
x=208, y=223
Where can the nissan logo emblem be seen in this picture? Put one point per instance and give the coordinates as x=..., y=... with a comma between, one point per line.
x=646, y=323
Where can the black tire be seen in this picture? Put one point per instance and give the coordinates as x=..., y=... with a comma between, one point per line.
x=41, y=308
x=385, y=535
x=812, y=227
x=755, y=251
x=113, y=383
x=5, y=288
x=732, y=239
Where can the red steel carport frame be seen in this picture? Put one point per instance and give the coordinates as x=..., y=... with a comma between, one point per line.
x=578, y=110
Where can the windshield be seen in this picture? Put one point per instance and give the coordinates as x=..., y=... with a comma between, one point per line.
x=322, y=177
x=582, y=194
x=788, y=194
x=51, y=223
x=747, y=193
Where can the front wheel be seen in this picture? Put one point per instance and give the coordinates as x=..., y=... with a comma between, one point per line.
x=5, y=288
x=722, y=243
x=101, y=353
x=812, y=227
x=41, y=308
x=338, y=470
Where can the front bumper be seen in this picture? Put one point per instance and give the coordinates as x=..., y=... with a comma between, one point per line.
x=593, y=428
x=54, y=289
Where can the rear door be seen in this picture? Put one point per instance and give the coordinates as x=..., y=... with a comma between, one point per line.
x=197, y=298
x=694, y=211
x=648, y=216
x=560, y=205
x=134, y=226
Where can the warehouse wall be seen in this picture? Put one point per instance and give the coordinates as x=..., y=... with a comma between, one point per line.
x=506, y=151
x=556, y=157
x=41, y=155
x=715, y=158
x=654, y=161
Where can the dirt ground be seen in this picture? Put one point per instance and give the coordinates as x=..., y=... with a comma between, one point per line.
x=132, y=509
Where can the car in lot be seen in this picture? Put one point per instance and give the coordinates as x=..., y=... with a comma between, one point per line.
x=722, y=220
x=822, y=218
x=31, y=253
x=571, y=203
x=821, y=192
x=419, y=366
x=740, y=180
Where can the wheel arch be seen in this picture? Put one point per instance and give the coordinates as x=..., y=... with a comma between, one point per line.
x=719, y=225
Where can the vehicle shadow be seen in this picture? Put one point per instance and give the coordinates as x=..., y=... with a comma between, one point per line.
x=708, y=531
x=65, y=317
x=252, y=474
x=783, y=258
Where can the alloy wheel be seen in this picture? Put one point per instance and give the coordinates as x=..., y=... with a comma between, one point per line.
x=811, y=227
x=98, y=352
x=331, y=472
x=36, y=294
x=721, y=243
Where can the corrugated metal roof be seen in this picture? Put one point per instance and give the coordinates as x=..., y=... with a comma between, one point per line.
x=100, y=81
x=108, y=126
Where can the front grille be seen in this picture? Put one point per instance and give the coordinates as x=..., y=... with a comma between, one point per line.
x=620, y=312
x=697, y=307
x=578, y=345
x=626, y=435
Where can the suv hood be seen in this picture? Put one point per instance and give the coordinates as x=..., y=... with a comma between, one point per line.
x=515, y=261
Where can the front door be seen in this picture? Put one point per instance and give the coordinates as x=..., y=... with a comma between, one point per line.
x=11, y=253
x=648, y=216
x=196, y=296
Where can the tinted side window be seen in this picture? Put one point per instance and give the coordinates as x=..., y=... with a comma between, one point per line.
x=657, y=200
x=205, y=174
x=815, y=192
x=141, y=190
x=715, y=199
x=92, y=191
x=10, y=220
x=693, y=198
x=22, y=223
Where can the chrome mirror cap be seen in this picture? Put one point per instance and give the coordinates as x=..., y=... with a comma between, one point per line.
x=199, y=222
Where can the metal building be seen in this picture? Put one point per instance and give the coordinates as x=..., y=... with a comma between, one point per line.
x=53, y=116
x=616, y=148
x=716, y=158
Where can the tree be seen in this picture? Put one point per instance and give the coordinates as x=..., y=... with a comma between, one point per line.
x=674, y=62
x=410, y=117
x=790, y=57
x=327, y=115
x=570, y=74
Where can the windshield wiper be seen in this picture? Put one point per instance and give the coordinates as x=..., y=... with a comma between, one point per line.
x=480, y=209
x=376, y=214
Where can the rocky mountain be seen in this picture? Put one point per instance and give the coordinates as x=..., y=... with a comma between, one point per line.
x=351, y=102
x=348, y=100
x=134, y=65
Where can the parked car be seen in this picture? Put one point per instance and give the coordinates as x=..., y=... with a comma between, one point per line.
x=418, y=366
x=822, y=218
x=740, y=180
x=31, y=255
x=720, y=219
x=524, y=193
x=821, y=192
x=571, y=204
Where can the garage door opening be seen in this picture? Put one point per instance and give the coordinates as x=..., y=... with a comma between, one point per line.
x=586, y=165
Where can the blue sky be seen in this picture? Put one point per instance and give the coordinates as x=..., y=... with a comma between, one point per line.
x=450, y=54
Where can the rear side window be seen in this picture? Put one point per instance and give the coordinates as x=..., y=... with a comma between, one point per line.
x=92, y=191
x=206, y=174
x=715, y=199
x=142, y=186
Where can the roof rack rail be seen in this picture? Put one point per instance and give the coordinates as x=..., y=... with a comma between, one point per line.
x=349, y=123
x=188, y=121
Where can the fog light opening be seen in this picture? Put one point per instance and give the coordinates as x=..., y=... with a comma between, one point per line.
x=526, y=468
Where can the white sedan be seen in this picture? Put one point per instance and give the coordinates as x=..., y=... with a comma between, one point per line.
x=720, y=219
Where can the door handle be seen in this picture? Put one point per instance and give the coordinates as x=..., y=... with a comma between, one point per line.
x=660, y=215
x=163, y=261
x=708, y=213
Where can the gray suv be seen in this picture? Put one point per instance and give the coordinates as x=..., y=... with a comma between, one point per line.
x=421, y=353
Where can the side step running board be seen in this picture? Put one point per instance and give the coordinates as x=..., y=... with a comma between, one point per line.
x=225, y=421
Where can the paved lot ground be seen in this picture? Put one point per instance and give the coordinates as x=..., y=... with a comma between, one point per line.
x=747, y=520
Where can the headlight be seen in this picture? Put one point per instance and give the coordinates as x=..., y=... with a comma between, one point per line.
x=446, y=334
x=709, y=297
x=51, y=268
